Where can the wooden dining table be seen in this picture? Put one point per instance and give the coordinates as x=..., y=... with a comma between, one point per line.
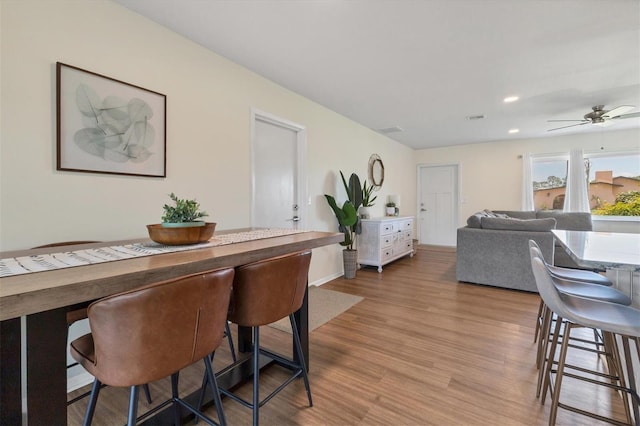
x=44, y=298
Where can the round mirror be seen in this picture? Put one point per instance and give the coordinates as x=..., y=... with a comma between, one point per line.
x=376, y=170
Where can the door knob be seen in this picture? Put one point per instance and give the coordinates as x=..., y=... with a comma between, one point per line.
x=295, y=219
x=423, y=210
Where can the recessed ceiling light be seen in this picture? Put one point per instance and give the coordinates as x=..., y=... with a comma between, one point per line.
x=514, y=130
x=511, y=99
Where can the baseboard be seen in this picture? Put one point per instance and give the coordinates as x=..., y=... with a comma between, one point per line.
x=78, y=380
x=326, y=279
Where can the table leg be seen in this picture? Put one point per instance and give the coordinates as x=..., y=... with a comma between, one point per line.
x=10, y=386
x=47, y=368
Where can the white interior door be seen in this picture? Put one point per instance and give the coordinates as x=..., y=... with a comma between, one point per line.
x=277, y=170
x=438, y=204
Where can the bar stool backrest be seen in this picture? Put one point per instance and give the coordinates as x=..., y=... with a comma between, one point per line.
x=148, y=333
x=587, y=312
x=267, y=291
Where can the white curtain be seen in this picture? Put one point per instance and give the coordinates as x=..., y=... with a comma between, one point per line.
x=527, y=183
x=576, y=199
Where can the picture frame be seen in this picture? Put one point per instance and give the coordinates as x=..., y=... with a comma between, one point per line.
x=108, y=126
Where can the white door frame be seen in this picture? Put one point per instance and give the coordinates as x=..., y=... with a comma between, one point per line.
x=301, y=140
x=419, y=168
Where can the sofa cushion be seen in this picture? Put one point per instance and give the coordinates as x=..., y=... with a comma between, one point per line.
x=474, y=221
x=568, y=221
x=512, y=224
x=518, y=214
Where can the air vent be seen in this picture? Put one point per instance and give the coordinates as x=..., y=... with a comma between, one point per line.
x=475, y=117
x=387, y=130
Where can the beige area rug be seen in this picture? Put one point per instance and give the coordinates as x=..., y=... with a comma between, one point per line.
x=323, y=306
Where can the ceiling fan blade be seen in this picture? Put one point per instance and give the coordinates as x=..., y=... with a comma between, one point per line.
x=618, y=111
x=550, y=121
x=632, y=115
x=564, y=127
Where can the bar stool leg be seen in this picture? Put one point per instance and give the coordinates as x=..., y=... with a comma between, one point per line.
x=216, y=393
x=227, y=331
x=632, y=397
x=298, y=346
x=543, y=351
x=133, y=406
x=559, y=373
x=546, y=374
x=93, y=399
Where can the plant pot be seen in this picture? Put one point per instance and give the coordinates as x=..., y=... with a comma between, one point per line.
x=364, y=212
x=181, y=236
x=350, y=261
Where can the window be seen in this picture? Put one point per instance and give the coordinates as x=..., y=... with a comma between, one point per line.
x=614, y=184
x=549, y=177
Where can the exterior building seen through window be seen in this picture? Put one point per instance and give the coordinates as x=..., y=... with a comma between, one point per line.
x=613, y=183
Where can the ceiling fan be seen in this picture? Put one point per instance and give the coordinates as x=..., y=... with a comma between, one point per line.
x=601, y=117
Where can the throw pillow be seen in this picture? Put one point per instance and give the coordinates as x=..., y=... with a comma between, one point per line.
x=474, y=221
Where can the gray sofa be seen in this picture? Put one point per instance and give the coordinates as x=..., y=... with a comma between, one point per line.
x=493, y=248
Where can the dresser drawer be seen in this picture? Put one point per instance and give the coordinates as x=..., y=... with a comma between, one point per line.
x=387, y=240
x=386, y=254
x=387, y=228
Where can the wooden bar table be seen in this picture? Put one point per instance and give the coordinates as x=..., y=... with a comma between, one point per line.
x=45, y=297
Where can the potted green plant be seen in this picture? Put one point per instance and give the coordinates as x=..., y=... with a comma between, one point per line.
x=367, y=200
x=184, y=213
x=348, y=222
x=180, y=224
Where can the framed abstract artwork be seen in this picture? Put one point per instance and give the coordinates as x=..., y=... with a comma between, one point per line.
x=108, y=126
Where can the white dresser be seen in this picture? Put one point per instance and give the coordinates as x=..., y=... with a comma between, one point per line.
x=385, y=239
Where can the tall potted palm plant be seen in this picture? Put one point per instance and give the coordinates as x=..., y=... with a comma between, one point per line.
x=348, y=222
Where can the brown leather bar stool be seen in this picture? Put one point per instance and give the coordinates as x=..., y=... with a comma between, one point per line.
x=263, y=293
x=149, y=333
x=78, y=313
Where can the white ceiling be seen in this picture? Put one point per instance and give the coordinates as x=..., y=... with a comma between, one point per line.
x=427, y=65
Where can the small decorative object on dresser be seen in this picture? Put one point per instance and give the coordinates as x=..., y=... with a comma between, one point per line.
x=391, y=209
x=384, y=240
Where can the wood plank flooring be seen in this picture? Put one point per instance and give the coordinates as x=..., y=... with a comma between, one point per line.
x=420, y=349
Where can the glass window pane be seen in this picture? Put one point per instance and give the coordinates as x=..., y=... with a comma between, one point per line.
x=549, y=183
x=614, y=185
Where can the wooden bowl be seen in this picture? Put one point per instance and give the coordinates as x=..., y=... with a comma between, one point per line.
x=181, y=236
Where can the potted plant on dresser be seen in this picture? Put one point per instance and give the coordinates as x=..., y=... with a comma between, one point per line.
x=348, y=222
x=180, y=224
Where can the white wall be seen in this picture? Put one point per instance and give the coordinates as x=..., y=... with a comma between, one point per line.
x=209, y=100
x=491, y=173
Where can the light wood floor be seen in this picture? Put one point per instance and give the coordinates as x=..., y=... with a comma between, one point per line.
x=420, y=349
